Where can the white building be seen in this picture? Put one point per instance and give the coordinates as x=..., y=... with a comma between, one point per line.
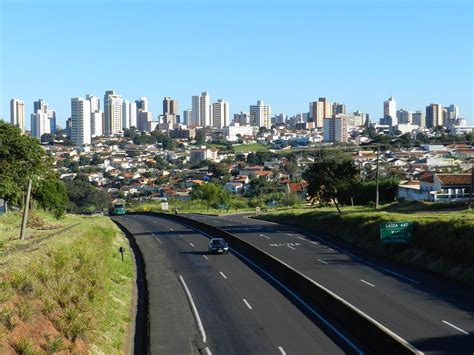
x=260, y=115
x=95, y=102
x=125, y=114
x=112, y=113
x=234, y=131
x=335, y=129
x=403, y=128
x=40, y=123
x=97, y=124
x=203, y=153
x=390, y=110
x=17, y=114
x=201, y=111
x=220, y=114
x=80, y=121
x=133, y=115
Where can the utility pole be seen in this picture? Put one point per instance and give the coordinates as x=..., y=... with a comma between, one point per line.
x=471, y=190
x=377, y=180
x=25, y=212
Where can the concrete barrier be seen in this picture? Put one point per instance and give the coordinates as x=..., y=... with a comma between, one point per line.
x=372, y=336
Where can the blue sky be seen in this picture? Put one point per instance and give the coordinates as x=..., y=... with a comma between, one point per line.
x=284, y=52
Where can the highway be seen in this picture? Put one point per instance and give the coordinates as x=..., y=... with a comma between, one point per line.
x=238, y=310
x=432, y=314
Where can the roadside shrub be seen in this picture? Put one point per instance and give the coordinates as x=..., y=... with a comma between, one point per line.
x=25, y=309
x=25, y=347
x=21, y=283
x=7, y=318
x=53, y=345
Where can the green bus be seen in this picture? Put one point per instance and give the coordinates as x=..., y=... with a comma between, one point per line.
x=119, y=208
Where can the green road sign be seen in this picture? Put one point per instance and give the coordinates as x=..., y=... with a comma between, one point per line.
x=396, y=232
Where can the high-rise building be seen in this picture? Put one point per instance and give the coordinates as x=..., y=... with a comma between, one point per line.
x=52, y=121
x=95, y=102
x=220, y=114
x=170, y=106
x=260, y=115
x=390, y=111
x=17, y=114
x=125, y=114
x=40, y=119
x=201, y=111
x=404, y=116
x=142, y=121
x=187, y=116
x=319, y=110
x=133, y=115
x=40, y=123
x=242, y=118
x=419, y=119
x=434, y=115
x=142, y=104
x=338, y=108
x=80, y=121
x=335, y=129
x=40, y=105
x=453, y=112
x=97, y=123
x=112, y=113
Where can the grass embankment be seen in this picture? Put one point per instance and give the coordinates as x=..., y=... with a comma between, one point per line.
x=247, y=148
x=443, y=240
x=70, y=292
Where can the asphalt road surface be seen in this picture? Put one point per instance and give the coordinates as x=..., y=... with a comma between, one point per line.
x=432, y=314
x=241, y=312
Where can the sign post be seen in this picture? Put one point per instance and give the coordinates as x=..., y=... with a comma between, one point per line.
x=396, y=232
x=121, y=251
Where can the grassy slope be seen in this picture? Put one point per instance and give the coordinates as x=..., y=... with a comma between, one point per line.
x=246, y=148
x=69, y=292
x=443, y=241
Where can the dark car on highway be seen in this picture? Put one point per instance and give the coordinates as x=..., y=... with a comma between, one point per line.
x=218, y=245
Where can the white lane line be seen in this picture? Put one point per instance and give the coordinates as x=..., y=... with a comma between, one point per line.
x=308, y=307
x=331, y=249
x=208, y=352
x=191, y=244
x=193, y=307
x=171, y=229
x=282, y=351
x=368, y=283
x=289, y=234
x=315, y=243
x=220, y=272
x=263, y=235
x=205, y=257
x=457, y=328
x=367, y=262
x=289, y=246
x=301, y=238
x=247, y=304
x=322, y=261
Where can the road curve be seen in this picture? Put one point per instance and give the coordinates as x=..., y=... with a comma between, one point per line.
x=240, y=312
x=434, y=315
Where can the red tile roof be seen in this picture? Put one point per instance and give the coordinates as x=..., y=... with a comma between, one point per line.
x=455, y=179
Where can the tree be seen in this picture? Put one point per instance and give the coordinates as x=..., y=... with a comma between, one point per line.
x=328, y=178
x=47, y=138
x=21, y=159
x=211, y=194
x=200, y=137
x=83, y=195
x=51, y=195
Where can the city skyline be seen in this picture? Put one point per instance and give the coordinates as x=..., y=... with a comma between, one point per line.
x=278, y=54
